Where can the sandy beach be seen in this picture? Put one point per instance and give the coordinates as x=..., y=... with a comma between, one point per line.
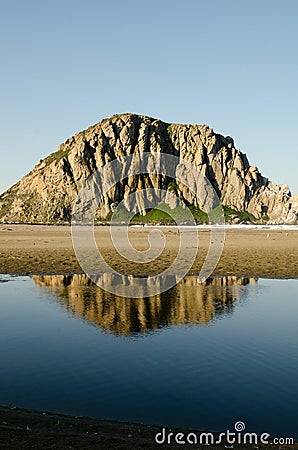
x=41, y=249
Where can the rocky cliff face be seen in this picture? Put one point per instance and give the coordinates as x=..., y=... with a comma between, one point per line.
x=48, y=192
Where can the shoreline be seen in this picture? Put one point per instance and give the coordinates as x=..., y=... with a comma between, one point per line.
x=31, y=429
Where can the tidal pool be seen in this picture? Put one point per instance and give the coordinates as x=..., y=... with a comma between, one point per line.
x=203, y=356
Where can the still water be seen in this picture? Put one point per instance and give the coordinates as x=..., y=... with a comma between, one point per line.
x=198, y=356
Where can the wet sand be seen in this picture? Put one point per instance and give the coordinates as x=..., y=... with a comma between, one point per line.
x=34, y=249
x=35, y=430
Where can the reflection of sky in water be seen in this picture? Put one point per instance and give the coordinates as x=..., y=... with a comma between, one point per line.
x=74, y=349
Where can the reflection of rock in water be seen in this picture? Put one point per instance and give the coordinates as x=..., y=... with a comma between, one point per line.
x=188, y=302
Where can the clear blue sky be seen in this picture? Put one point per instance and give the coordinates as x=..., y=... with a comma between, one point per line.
x=232, y=64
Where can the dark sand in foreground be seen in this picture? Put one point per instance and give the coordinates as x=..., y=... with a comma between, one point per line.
x=22, y=429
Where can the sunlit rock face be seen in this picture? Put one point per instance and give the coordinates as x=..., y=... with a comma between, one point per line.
x=48, y=192
x=190, y=302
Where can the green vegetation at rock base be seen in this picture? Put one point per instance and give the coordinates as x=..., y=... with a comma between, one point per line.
x=243, y=216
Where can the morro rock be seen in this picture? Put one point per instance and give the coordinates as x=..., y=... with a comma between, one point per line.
x=49, y=191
